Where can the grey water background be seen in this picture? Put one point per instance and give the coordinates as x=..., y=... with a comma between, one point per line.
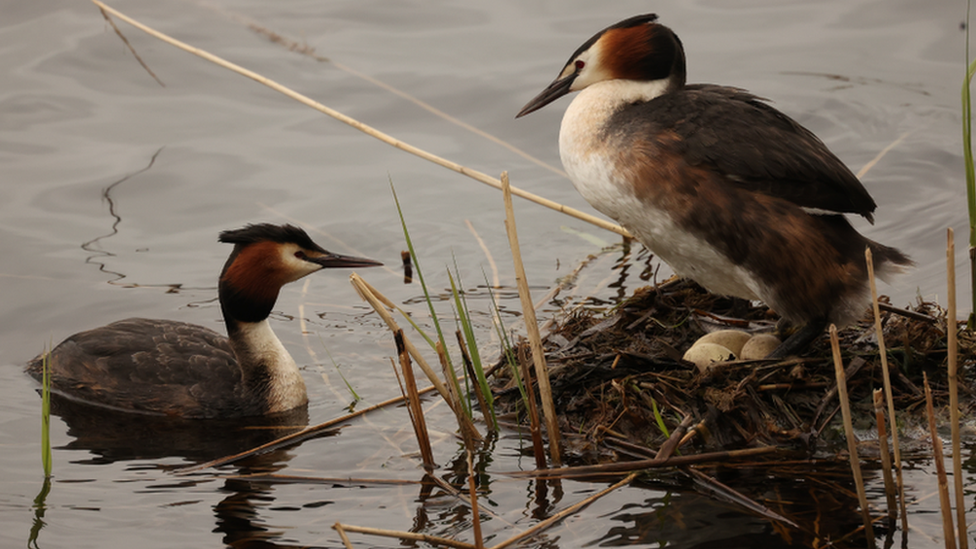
x=80, y=119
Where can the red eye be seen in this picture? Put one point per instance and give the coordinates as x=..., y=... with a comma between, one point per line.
x=300, y=254
x=579, y=64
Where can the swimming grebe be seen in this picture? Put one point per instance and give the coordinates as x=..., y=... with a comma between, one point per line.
x=722, y=187
x=179, y=369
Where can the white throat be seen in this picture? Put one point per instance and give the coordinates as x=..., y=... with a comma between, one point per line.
x=257, y=346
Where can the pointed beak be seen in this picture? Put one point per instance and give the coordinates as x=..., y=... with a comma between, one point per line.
x=557, y=89
x=336, y=261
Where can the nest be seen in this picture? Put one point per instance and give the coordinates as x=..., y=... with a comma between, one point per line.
x=618, y=379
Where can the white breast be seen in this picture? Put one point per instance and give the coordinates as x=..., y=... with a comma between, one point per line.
x=592, y=168
x=264, y=348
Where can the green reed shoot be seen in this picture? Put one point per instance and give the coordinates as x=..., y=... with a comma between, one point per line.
x=430, y=303
x=46, y=459
x=355, y=396
x=464, y=316
x=510, y=359
x=967, y=152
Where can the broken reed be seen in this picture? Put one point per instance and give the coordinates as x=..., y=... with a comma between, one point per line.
x=845, y=408
x=947, y=529
x=532, y=330
x=889, y=395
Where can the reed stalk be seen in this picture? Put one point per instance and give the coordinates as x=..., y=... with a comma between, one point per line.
x=845, y=407
x=377, y=301
x=46, y=458
x=475, y=516
x=891, y=490
x=532, y=328
x=368, y=130
x=953, y=352
x=412, y=536
x=414, y=405
x=937, y=456
x=342, y=534
x=564, y=513
x=889, y=398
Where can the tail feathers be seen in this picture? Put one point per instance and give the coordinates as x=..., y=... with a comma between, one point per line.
x=889, y=262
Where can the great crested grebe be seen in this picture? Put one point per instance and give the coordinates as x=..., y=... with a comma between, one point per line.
x=179, y=369
x=722, y=187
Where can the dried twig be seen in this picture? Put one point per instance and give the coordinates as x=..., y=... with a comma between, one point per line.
x=532, y=328
x=415, y=406
x=405, y=535
x=564, y=513
x=128, y=45
x=368, y=130
x=475, y=516
x=845, y=408
x=883, y=354
x=937, y=456
x=342, y=534
x=891, y=490
x=639, y=465
x=293, y=438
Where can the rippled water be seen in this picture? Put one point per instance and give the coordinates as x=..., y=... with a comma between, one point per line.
x=90, y=235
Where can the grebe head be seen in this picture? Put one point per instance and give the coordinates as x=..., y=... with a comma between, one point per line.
x=265, y=258
x=636, y=49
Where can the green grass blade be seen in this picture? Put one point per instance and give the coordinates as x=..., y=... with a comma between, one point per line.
x=46, y=459
x=423, y=285
x=464, y=317
x=967, y=152
x=510, y=359
x=355, y=396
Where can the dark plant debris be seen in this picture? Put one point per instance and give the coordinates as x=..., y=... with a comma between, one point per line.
x=609, y=372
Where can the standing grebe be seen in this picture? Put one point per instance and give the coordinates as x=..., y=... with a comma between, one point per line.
x=725, y=189
x=179, y=369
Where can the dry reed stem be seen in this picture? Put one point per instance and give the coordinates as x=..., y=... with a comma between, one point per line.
x=952, y=343
x=863, y=171
x=368, y=130
x=469, y=367
x=294, y=437
x=535, y=429
x=845, y=408
x=342, y=534
x=305, y=49
x=937, y=456
x=377, y=301
x=532, y=328
x=131, y=49
x=891, y=490
x=564, y=513
x=889, y=395
x=296, y=479
x=495, y=280
x=405, y=535
x=415, y=407
x=639, y=465
x=475, y=516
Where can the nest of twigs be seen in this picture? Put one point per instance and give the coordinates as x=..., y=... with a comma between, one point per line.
x=618, y=379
